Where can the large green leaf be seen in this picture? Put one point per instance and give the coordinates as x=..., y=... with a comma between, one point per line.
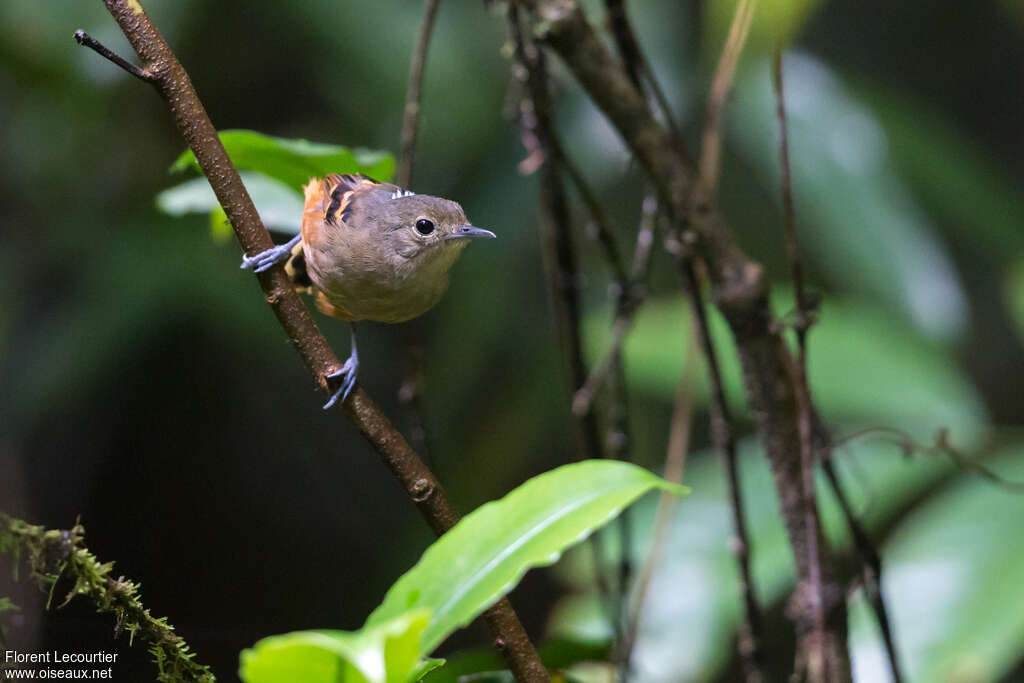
x=385, y=653
x=486, y=554
x=880, y=482
x=294, y=162
x=863, y=366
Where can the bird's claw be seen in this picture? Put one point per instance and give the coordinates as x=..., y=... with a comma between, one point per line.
x=348, y=372
x=271, y=257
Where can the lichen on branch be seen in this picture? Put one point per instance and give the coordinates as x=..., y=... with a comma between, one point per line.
x=56, y=557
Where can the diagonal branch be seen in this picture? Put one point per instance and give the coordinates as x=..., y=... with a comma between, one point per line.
x=740, y=290
x=174, y=86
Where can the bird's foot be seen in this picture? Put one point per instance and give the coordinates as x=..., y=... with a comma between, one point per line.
x=348, y=373
x=271, y=257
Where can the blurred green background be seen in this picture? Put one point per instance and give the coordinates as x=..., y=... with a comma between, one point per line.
x=148, y=389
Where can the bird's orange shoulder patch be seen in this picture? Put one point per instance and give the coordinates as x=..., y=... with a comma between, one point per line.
x=328, y=201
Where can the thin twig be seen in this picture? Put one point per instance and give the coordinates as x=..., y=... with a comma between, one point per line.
x=410, y=393
x=803, y=309
x=619, y=447
x=908, y=446
x=751, y=634
x=871, y=569
x=630, y=293
x=721, y=83
x=411, y=117
x=174, y=85
x=559, y=256
x=60, y=555
x=88, y=41
x=559, y=252
x=603, y=226
x=637, y=68
x=675, y=461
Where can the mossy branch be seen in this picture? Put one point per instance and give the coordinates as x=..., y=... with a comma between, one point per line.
x=55, y=554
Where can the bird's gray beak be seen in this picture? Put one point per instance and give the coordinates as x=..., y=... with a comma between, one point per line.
x=470, y=232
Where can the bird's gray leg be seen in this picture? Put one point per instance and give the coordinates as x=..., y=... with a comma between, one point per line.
x=348, y=372
x=266, y=259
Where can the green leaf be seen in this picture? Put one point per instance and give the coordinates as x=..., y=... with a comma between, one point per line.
x=425, y=666
x=880, y=482
x=387, y=652
x=863, y=366
x=279, y=206
x=486, y=554
x=294, y=161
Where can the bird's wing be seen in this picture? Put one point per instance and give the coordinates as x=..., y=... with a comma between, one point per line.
x=327, y=200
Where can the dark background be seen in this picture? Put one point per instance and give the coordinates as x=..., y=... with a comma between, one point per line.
x=147, y=389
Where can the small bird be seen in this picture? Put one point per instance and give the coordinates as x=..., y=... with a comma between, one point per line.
x=371, y=251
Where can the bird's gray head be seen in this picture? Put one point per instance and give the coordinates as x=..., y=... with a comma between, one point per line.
x=423, y=228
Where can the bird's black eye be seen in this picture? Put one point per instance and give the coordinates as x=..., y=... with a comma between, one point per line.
x=424, y=226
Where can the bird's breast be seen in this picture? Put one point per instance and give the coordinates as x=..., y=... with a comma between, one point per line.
x=363, y=285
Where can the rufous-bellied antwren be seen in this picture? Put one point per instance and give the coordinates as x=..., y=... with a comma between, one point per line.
x=371, y=251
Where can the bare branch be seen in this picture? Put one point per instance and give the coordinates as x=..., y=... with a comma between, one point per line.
x=88, y=41
x=172, y=82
